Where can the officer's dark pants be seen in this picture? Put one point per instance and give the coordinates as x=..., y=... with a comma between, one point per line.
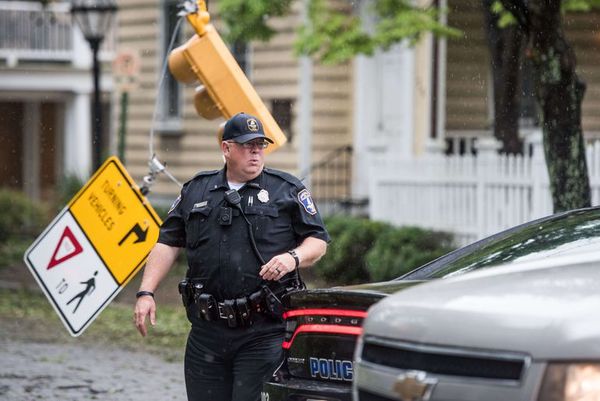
x=225, y=364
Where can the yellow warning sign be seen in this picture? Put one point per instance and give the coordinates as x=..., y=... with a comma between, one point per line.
x=119, y=221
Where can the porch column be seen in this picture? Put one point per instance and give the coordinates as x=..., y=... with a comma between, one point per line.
x=78, y=136
x=364, y=116
x=31, y=150
x=305, y=111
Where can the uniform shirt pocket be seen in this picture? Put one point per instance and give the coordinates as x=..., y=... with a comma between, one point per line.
x=269, y=225
x=197, y=226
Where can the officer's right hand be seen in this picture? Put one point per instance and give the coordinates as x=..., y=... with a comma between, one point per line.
x=143, y=307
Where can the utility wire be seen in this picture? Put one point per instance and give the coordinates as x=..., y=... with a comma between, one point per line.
x=163, y=73
x=155, y=165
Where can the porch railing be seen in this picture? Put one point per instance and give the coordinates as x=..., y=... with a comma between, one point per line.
x=32, y=31
x=470, y=196
x=331, y=183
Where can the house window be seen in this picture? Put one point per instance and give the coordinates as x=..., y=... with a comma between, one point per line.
x=172, y=105
x=282, y=113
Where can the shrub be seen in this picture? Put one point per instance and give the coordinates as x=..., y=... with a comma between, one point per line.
x=12, y=251
x=344, y=262
x=20, y=217
x=362, y=250
x=400, y=250
x=21, y=221
x=67, y=188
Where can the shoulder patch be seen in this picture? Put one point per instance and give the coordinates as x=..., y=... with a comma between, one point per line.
x=284, y=176
x=305, y=199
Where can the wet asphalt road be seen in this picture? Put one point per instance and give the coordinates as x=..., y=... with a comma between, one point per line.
x=35, y=371
x=47, y=364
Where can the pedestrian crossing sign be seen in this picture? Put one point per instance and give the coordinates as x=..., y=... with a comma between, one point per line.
x=95, y=245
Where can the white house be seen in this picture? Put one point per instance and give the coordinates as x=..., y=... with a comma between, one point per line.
x=45, y=97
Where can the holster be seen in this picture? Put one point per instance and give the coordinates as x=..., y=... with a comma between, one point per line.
x=186, y=294
x=257, y=301
x=273, y=304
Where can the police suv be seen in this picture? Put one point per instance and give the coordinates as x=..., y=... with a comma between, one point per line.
x=526, y=329
x=323, y=325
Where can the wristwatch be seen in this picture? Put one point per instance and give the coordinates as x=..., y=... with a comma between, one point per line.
x=143, y=293
x=295, y=256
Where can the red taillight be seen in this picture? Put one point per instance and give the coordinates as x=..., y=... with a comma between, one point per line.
x=323, y=328
x=325, y=321
x=325, y=312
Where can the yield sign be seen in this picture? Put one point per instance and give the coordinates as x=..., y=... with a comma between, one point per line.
x=86, y=256
x=66, y=248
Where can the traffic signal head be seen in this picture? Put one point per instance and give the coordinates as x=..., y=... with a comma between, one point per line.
x=225, y=90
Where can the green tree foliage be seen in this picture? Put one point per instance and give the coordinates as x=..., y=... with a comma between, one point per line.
x=248, y=19
x=334, y=34
x=507, y=18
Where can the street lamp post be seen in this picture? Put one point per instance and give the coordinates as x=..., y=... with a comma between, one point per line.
x=94, y=18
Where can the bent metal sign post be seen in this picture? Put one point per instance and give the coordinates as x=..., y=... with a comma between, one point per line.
x=94, y=246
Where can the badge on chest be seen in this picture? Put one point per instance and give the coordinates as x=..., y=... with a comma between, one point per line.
x=263, y=196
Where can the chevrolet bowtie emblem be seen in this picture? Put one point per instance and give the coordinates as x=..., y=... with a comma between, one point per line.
x=414, y=386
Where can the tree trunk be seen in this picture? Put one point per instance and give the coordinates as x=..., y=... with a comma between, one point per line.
x=559, y=92
x=505, y=46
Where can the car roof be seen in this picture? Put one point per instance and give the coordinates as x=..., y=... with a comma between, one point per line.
x=560, y=233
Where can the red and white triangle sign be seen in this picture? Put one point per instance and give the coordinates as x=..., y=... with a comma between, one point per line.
x=67, y=247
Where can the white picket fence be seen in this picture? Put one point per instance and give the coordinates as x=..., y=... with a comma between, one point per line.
x=469, y=196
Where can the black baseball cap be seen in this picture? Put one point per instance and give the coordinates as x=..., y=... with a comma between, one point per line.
x=242, y=128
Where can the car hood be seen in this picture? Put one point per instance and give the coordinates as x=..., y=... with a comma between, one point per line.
x=353, y=297
x=549, y=309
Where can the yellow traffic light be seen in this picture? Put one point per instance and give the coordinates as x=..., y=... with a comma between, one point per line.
x=225, y=90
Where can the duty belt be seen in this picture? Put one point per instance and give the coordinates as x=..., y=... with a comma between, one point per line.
x=238, y=312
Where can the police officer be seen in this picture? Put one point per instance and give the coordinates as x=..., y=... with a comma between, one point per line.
x=246, y=230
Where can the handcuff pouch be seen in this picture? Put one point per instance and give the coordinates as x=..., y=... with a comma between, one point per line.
x=229, y=311
x=244, y=312
x=207, y=307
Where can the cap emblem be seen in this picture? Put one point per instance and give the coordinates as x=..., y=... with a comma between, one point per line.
x=252, y=125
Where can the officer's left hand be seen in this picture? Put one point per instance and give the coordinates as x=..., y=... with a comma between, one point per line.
x=278, y=266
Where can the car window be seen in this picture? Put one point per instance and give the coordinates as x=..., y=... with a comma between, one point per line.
x=564, y=234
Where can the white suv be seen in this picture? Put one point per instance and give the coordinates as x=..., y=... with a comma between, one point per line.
x=528, y=331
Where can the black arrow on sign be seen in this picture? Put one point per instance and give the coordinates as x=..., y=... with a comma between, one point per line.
x=137, y=230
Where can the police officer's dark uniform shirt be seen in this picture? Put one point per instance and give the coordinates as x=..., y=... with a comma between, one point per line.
x=277, y=204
